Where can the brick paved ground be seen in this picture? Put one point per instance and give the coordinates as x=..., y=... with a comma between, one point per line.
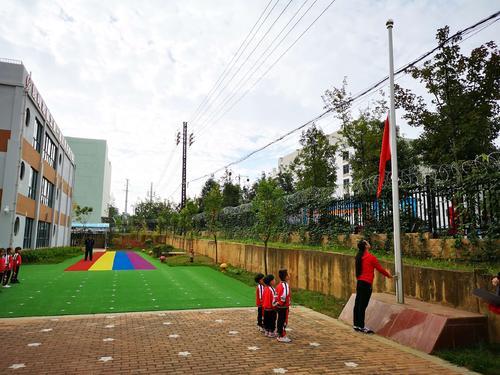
x=221, y=341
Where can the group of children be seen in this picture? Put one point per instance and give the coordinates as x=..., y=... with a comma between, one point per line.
x=10, y=264
x=273, y=304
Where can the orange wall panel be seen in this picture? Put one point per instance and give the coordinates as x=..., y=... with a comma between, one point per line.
x=25, y=206
x=4, y=139
x=49, y=173
x=31, y=155
x=45, y=213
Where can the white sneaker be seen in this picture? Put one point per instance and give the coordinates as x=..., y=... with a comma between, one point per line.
x=284, y=339
x=6, y=286
x=367, y=331
x=261, y=329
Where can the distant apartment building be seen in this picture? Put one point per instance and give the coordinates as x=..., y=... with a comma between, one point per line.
x=36, y=166
x=344, y=171
x=92, y=177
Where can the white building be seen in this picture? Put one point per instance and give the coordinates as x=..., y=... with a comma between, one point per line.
x=344, y=173
x=36, y=166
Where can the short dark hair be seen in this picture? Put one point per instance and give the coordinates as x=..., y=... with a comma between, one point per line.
x=18, y=248
x=268, y=279
x=259, y=277
x=283, y=273
x=9, y=248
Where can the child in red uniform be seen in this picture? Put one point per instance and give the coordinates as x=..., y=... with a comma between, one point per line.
x=2, y=263
x=366, y=263
x=259, y=294
x=269, y=303
x=17, y=265
x=9, y=264
x=284, y=296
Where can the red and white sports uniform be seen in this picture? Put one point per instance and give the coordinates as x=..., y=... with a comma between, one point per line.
x=17, y=260
x=283, y=298
x=284, y=294
x=259, y=295
x=269, y=303
x=269, y=298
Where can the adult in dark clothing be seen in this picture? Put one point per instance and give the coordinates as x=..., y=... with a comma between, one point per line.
x=89, y=248
x=366, y=263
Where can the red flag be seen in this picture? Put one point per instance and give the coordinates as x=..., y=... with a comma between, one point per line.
x=385, y=155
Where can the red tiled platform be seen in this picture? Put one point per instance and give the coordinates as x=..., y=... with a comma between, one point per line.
x=420, y=325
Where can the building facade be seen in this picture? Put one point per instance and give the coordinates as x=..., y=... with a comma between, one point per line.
x=37, y=166
x=92, y=177
x=343, y=168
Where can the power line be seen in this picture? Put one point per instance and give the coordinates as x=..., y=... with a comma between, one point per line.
x=262, y=38
x=273, y=64
x=259, y=59
x=222, y=76
x=357, y=96
x=240, y=54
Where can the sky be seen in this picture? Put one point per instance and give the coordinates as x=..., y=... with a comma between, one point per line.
x=131, y=72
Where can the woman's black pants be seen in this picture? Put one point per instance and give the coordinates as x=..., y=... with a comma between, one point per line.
x=363, y=294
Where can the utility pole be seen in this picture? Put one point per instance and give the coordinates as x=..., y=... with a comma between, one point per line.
x=126, y=196
x=151, y=193
x=185, y=144
x=184, y=160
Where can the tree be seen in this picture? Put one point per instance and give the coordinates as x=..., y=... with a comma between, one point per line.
x=314, y=166
x=285, y=181
x=162, y=222
x=269, y=211
x=82, y=214
x=462, y=120
x=364, y=133
x=231, y=194
x=213, y=206
x=186, y=218
x=209, y=184
x=149, y=211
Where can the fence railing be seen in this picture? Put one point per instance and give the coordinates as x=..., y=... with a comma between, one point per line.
x=457, y=199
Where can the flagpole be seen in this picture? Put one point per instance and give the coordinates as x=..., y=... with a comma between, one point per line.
x=394, y=171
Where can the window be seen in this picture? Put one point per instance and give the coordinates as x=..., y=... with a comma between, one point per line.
x=16, y=226
x=60, y=158
x=42, y=238
x=28, y=117
x=345, y=155
x=33, y=183
x=22, y=170
x=37, y=136
x=346, y=183
x=49, y=151
x=346, y=169
x=47, y=192
x=54, y=227
x=28, y=233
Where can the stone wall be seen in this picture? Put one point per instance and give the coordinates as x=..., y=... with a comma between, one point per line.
x=333, y=274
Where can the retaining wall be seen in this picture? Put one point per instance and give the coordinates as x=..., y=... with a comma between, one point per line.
x=333, y=274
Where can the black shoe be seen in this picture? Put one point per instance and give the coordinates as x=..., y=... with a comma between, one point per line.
x=357, y=329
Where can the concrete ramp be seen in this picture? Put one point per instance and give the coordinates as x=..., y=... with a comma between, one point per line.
x=420, y=325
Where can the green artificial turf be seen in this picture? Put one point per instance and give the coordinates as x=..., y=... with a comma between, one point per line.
x=49, y=290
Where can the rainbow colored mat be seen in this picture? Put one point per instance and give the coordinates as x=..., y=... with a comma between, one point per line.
x=113, y=260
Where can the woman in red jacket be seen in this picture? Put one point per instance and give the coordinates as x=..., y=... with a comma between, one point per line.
x=366, y=263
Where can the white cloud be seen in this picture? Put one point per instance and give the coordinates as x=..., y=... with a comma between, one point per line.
x=131, y=72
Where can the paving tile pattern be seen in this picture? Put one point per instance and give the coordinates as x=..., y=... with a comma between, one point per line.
x=223, y=341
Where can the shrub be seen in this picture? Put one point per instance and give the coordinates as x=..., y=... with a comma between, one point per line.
x=50, y=255
x=159, y=250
